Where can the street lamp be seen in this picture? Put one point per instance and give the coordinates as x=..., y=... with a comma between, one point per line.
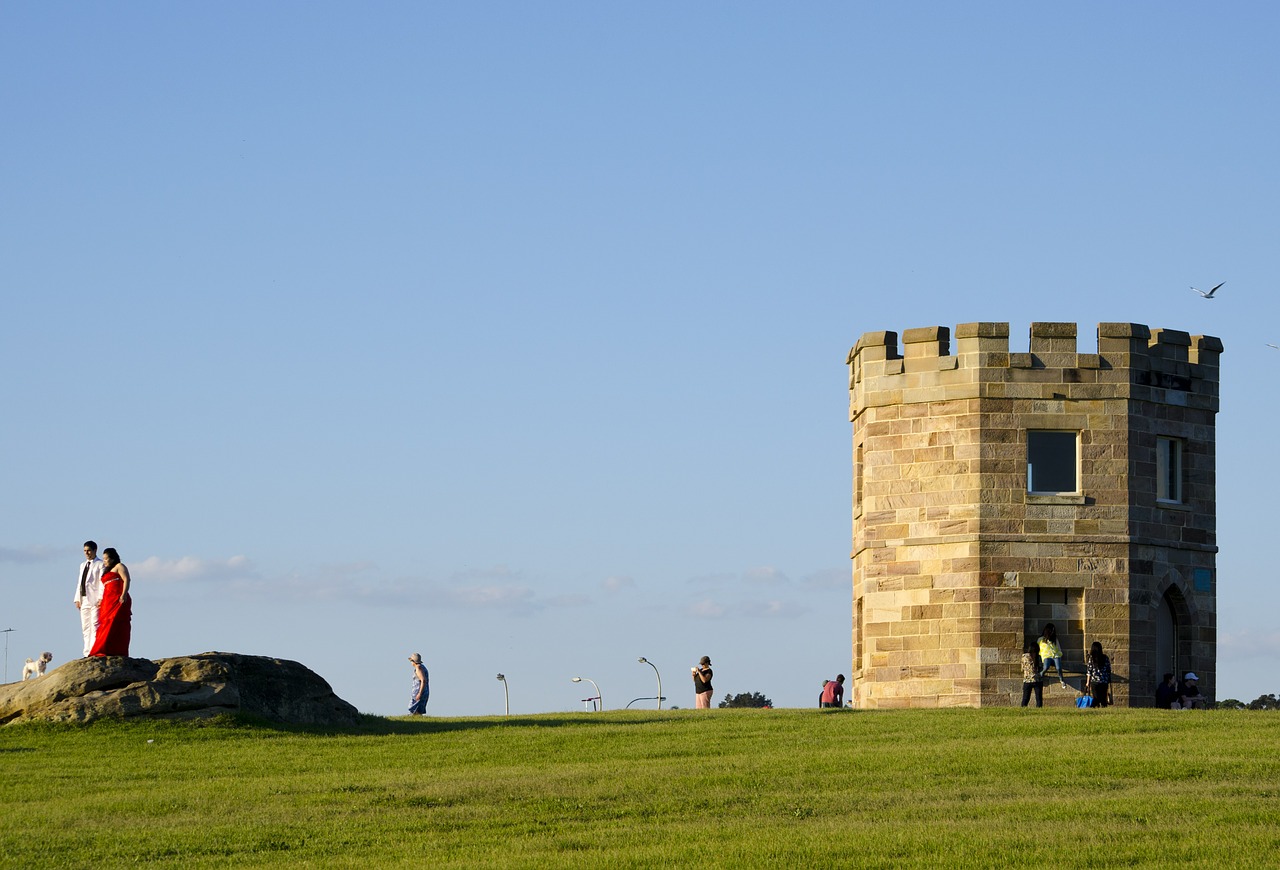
x=597, y=688
x=645, y=661
x=6, y=654
x=506, y=696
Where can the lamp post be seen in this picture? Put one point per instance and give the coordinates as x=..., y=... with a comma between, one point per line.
x=645, y=698
x=645, y=661
x=506, y=696
x=597, y=688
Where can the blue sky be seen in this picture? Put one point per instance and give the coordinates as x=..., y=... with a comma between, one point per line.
x=515, y=333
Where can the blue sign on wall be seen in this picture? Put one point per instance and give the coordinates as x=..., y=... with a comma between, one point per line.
x=1204, y=580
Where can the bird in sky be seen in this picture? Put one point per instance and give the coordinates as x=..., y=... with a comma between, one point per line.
x=1276, y=346
x=1208, y=295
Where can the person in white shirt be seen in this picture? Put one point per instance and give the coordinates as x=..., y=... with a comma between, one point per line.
x=89, y=593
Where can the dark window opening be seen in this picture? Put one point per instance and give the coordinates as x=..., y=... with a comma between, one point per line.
x=1169, y=469
x=1052, y=460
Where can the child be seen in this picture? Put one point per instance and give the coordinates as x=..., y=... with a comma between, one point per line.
x=1051, y=653
x=1031, y=681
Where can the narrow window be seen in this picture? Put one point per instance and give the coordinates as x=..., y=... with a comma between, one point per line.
x=857, y=478
x=1052, y=461
x=1169, y=470
x=857, y=643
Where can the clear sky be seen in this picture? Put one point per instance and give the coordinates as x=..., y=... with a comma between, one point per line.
x=514, y=333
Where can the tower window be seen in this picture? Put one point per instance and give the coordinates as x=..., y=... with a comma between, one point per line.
x=1169, y=470
x=1053, y=460
x=857, y=478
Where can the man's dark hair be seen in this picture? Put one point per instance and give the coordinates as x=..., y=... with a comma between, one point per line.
x=92, y=544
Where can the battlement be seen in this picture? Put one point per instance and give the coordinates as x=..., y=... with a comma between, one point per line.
x=1120, y=345
x=1161, y=363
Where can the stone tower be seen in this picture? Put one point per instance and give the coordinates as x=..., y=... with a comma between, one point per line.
x=994, y=492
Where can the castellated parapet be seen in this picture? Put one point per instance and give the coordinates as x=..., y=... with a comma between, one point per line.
x=997, y=491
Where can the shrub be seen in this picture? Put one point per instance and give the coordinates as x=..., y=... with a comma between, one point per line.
x=746, y=699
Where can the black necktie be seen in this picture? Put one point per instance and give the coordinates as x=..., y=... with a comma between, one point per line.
x=84, y=573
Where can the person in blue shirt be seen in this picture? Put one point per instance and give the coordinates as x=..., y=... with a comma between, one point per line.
x=421, y=687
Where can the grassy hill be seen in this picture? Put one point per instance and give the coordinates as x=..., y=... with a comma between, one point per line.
x=964, y=788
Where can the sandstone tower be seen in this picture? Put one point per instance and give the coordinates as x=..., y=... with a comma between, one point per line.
x=994, y=492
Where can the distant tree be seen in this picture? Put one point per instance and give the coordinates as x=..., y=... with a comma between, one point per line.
x=746, y=699
x=1262, y=702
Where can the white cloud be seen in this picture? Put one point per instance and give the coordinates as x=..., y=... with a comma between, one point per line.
x=503, y=597
x=774, y=609
x=725, y=594
x=189, y=569
x=711, y=581
x=498, y=588
x=515, y=598
x=495, y=572
x=343, y=570
x=32, y=555
x=1247, y=644
x=568, y=600
x=331, y=581
x=617, y=583
x=759, y=575
x=765, y=575
x=829, y=578
x=707, y=609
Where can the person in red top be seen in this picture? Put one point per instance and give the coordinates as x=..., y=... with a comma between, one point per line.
x=115, y=611
x=833, y=692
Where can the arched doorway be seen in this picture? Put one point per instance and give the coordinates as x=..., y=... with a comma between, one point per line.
x=1167, y=637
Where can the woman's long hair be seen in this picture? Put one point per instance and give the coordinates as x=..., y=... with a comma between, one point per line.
x=1050, y=633
x=1096, y=655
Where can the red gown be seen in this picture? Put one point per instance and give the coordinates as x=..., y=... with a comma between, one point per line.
x=114, y=616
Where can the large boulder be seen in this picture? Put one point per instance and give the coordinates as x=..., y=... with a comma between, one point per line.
x=187, y=687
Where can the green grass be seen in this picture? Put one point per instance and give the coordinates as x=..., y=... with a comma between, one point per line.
x=965, y=788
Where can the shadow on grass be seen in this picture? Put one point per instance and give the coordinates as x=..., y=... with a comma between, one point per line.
x=428, y=725
x=246, y=723
x=405, y=725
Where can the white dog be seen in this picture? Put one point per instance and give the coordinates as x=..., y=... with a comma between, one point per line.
x=35, y=668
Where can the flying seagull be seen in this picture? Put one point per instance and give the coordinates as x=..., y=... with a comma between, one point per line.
x=1276, y=346
x=1208, y=295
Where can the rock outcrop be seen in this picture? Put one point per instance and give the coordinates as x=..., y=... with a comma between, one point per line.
x=186, y=687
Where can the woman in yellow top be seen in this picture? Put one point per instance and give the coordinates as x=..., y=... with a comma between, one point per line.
x=1051, y=653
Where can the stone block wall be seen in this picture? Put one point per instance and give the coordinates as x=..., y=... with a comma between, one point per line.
x=955, y=562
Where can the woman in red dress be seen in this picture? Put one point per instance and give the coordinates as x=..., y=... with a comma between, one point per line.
x=116, y=609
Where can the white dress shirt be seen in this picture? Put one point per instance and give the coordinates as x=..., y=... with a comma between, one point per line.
x=92, y=583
